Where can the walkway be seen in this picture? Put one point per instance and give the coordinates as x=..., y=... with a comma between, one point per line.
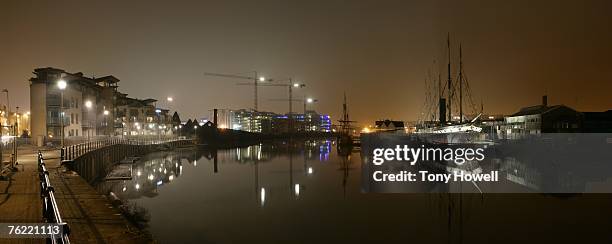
x=90, y=216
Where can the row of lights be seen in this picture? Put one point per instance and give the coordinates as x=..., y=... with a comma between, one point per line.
x=62, y=84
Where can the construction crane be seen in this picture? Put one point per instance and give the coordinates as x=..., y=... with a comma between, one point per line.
x=290, y=85
x=255, y=78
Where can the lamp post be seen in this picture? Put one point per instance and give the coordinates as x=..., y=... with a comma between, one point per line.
x=106, y=113
x=169, y=99
x=17, y=122
x=291, y=86
x=61, y=84
x=8, y=108
x=26, y=117
x=308, y=101
x=158, y=112
x=88, y=105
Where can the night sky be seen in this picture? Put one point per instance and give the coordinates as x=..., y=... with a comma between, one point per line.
x=379, y=52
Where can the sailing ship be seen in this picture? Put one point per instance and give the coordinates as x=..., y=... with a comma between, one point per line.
x=458, y=131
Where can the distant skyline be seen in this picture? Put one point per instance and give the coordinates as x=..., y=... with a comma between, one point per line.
x=378, y=52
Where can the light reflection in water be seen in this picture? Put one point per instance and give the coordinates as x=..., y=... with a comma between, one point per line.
x=261, y=184
x=262, y=196
x=161, y=168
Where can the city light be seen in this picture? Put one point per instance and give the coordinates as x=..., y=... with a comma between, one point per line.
x=365, y=130
x=61, y=84
x=158, y=110
x=263, y=196
x=309, y=170
x=170, y=99
x=296, y=85
x=262, y=79
x=88, y=104
x=296, y=189
x=309, y=100
x=106, y=112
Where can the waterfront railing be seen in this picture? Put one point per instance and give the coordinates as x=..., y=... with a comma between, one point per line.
x=74, y=151
x=51, y=212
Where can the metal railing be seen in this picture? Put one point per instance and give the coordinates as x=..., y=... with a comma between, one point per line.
x=74, y=151
x=51, y=212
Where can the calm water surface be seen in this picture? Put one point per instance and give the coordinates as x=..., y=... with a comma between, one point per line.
x=306, y=192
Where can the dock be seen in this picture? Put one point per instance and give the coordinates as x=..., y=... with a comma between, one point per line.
x=90, y=216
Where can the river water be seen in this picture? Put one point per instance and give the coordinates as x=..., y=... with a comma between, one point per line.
x=308, y=192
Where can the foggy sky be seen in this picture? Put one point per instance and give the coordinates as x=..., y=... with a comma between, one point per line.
x=379, y=52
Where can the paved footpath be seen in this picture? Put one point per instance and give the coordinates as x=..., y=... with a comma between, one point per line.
x=90, y=216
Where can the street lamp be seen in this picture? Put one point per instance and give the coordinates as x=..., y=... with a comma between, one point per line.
x=8, y=108
x=61, y=84
x=159, y=123
x=106, y=113
x=308, y=101
x=88, y=105
x=17, y=122
x=26, y=116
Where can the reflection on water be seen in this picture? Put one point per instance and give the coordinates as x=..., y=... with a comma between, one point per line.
x=308, y=192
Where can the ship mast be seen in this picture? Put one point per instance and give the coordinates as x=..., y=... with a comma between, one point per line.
x=460, y=87
x=450, y=118
x=345, y=117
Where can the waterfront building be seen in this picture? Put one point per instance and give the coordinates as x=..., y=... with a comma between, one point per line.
x=541, y=119
x=141, y=117
x=389, y=125
x=91, y=107
x=251, y=121
x=269, y=122
x=314, y=122
x=554, y=119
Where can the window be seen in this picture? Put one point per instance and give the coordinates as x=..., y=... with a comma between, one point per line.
x=71, y=118
x=77, y=118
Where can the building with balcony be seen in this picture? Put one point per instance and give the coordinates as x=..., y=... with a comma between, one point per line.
x=90, y=107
